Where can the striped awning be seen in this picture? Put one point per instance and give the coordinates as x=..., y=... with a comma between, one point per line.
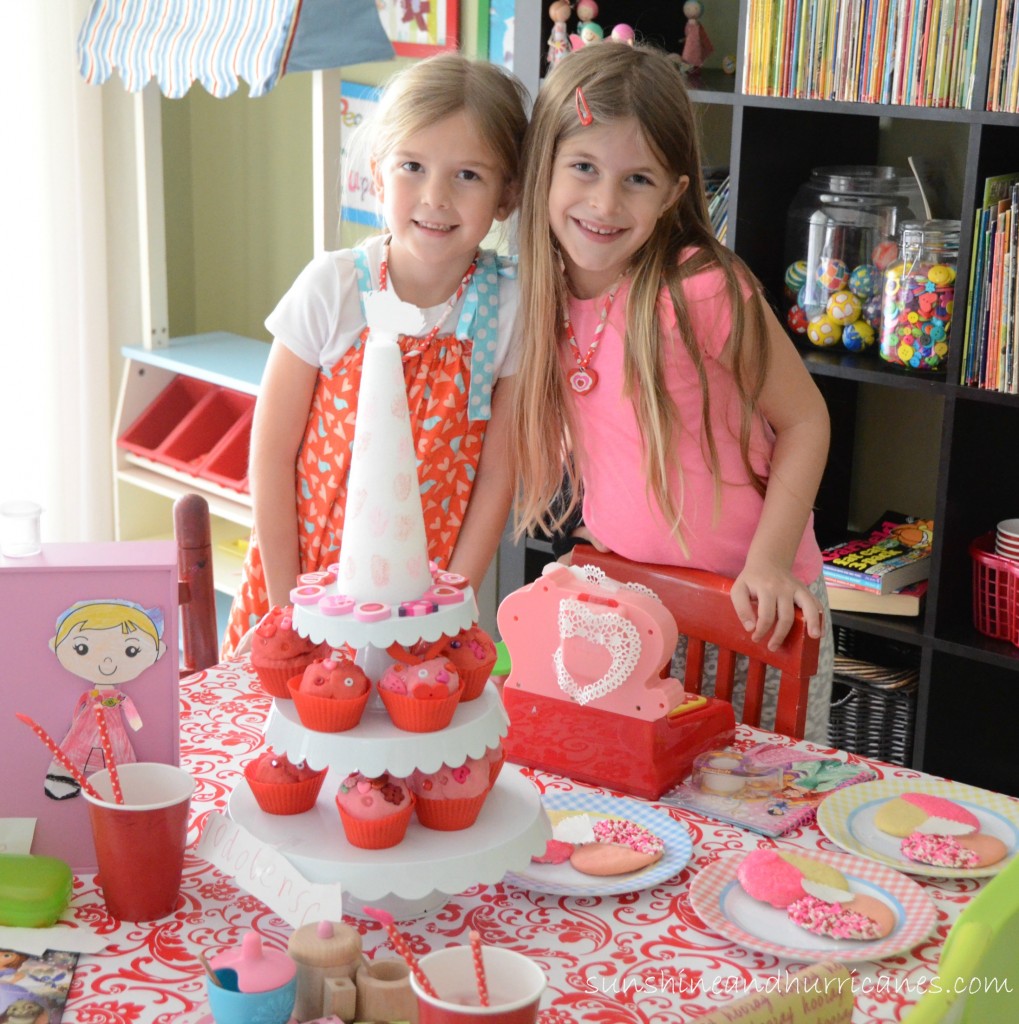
x=219, y=42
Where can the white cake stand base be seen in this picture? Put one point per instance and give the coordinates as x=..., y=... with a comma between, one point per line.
x=418, y=875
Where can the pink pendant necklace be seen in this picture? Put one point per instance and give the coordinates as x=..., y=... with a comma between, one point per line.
x=453, y=299
x=583, y=379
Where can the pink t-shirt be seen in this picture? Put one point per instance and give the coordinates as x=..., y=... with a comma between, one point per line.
x=617, y=508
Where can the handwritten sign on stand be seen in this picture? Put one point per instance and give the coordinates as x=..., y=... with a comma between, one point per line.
x=267, y=874
x=821, y=994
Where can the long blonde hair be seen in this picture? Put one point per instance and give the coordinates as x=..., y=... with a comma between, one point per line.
x=621, y=82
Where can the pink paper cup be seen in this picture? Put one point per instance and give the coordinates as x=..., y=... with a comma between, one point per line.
x=140, y=843
x=515, y=984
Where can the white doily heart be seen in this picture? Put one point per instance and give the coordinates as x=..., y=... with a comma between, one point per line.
x=614, y=632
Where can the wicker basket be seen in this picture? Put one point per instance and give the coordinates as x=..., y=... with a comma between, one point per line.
x=873, y=707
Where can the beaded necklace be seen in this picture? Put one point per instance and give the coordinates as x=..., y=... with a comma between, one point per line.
x=583, y=379
x=453, y=299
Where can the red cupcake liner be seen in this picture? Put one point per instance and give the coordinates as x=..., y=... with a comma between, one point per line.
x=414, y=715
x=376, y=833
x=274, y=677
x=474, y=680
x=494, y=767
x=286, y=797
x=323, y=714
x=450, y=815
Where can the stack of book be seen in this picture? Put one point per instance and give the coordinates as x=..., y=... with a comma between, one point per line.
x=991, y=342
x=718, y=205
x=912, y=52
x=1003, y=84
x=884, y=570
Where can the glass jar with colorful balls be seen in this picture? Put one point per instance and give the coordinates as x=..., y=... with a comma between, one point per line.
x=919, y=296
x=841, y=235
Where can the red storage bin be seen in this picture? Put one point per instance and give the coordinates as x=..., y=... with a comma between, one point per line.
x=164, y=415
x=188, y=447
x=995, y=591
x=227, y=463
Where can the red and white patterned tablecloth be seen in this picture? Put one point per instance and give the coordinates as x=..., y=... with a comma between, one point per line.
x=638, y=958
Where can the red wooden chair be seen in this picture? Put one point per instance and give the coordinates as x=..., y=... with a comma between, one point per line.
x=700, y=603
x=193, y=534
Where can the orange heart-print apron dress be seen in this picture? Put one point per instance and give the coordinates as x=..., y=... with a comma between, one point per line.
x=449, y=390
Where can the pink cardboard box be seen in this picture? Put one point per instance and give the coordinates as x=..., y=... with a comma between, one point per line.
x=68, y=616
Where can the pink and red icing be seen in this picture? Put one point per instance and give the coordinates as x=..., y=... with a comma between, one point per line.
x=627, y=833
x=470, y=649
x=275, y=639
x=334, y=678
x=556, y=852
x=466, y=781
x=372, y=798
x=942, y=851
x=770, y=878
x=940, y=807
x=823, y=918
x=434, y=679
x=272, y=767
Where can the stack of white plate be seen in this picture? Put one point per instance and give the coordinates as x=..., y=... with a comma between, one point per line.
x=1006, y=543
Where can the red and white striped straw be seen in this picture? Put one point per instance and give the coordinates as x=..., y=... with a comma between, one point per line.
x=104, y=739
x=401, y=947
x=71, y=768
x=479, y=968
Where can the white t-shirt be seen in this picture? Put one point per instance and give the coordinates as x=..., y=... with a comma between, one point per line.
x=320, y=316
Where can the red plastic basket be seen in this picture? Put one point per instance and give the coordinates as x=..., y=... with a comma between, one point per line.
x=995, y=591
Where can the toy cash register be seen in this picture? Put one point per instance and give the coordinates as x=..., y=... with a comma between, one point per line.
x=589, y=693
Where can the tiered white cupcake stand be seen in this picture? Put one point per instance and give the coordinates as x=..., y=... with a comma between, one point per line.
x=418, y=875
x=390, y=594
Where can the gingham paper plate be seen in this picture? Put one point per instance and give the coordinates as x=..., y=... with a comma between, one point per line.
x=564, y=880
x=723, y=905
x=846, y=817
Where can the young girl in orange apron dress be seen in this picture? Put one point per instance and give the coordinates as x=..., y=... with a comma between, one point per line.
x=444, y=151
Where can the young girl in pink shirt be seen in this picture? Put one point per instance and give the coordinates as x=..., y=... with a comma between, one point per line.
x=695, y=435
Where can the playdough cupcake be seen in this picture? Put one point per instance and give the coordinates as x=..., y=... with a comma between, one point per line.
x=451, y=798
x=280, y=787
x=279, y=652
x=375, y=812
x=473, y=653
x=421, y=697
x=496, y=758
x=331, y=694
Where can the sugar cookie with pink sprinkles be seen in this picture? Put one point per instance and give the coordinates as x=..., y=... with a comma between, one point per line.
x=939, y=832
x=619, y=847
x=814, y=895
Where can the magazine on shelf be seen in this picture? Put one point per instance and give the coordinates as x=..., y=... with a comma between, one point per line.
x=893, y=553
x=807, y=779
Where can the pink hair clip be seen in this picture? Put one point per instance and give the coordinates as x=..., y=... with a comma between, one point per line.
x=583, y=110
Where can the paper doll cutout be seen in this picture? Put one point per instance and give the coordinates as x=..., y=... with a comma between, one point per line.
x=108, y=643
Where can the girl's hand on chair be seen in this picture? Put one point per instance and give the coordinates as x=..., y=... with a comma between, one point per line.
x=766, y=598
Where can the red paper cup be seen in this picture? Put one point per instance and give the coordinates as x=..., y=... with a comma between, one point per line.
x=140, y=843
x=515, y=984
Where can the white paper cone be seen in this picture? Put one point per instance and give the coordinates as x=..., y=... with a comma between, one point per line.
x=384, y=553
